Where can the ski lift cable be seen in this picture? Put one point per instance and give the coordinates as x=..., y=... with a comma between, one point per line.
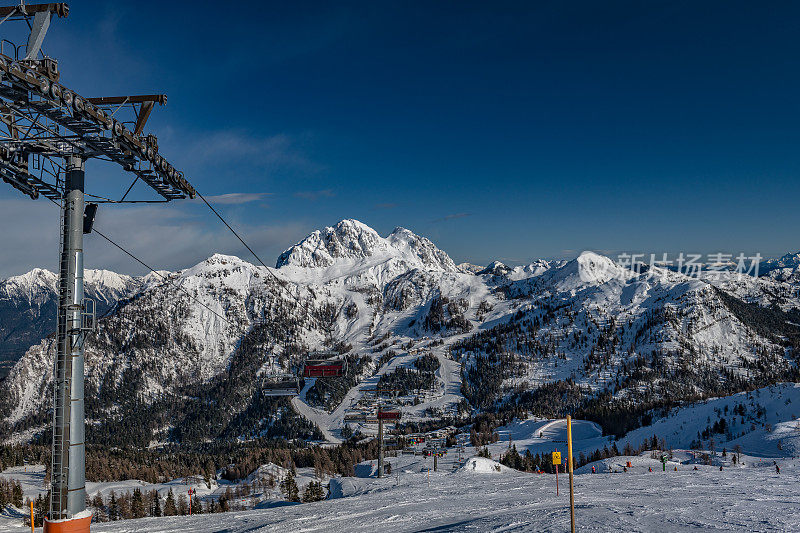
x=159, y=274
x=280, y=282
x=151, y=269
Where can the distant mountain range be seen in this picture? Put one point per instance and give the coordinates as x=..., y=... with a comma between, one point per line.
x=28, y=306
x=586, y=335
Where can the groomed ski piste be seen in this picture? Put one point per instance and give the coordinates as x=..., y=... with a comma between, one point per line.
x=484, y=496
x=469, y=493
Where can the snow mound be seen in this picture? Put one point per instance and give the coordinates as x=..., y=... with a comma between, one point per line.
x=344, y=487
x=482, y=465
x=556, y=430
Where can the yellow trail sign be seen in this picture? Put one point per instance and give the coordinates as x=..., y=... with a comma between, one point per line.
x=556, y=458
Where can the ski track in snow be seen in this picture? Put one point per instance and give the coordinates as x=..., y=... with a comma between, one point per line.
x=479, y=497
x=754, y=499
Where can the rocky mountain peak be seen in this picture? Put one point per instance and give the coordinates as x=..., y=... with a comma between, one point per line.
x=351, y=240
x=496, y=268
x=412, y=244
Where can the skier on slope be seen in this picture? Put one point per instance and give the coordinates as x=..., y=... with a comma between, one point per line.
x=593, y=471
x=777, y=468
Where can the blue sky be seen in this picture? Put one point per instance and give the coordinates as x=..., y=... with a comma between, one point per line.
x=512, y=130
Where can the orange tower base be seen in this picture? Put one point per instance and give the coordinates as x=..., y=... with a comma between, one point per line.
x=76, y=525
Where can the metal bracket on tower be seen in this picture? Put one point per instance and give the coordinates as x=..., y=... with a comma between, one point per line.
x=88, y=315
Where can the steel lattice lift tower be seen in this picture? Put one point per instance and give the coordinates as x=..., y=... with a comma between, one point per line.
x=47, y=132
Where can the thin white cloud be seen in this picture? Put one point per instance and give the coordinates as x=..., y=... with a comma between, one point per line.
x=165, y=237
x=237, y=198
x=453, y=216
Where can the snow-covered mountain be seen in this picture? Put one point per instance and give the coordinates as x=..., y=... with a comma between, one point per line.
x=351, y=242
x=620, y=341
x=28, y=306
x=185, y=359
x=789, y=261
x=500, y=270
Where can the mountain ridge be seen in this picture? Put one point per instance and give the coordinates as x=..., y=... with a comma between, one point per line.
x=507, y=335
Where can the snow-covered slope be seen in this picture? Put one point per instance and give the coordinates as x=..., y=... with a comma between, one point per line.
x=763, y=422
x=737, y=500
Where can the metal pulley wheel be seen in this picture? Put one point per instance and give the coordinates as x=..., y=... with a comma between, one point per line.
x=32, y=79
x=16, y=71
x=67, y=98
x=103, y=118
x=44, y=86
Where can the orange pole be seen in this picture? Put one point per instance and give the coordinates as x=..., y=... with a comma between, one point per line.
x=32, y=516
